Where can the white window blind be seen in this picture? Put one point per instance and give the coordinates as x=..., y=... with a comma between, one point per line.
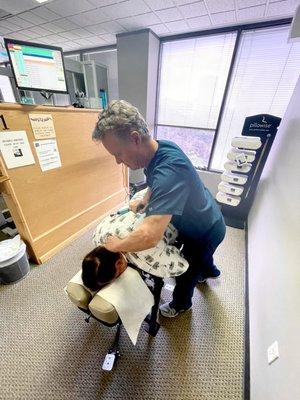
x=193, y=78
x=264, y=77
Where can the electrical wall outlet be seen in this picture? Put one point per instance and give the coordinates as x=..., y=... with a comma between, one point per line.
x=273, y=352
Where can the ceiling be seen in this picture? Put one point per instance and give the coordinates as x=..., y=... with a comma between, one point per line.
x=80, y=24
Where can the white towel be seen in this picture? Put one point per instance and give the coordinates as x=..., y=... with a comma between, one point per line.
x=78, y=279
x=132, y=299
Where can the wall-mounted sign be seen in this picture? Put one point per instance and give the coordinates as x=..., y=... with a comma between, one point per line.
x=42, y=126
x=48, y=154
x=15, y=149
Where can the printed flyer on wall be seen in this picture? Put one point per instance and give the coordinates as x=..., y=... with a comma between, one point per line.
x=48, y=154
x=15, y=149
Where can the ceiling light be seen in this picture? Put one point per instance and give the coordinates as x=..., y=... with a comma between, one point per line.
x=41, y=1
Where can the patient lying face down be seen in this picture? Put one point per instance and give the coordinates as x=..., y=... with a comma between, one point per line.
x=101, y=266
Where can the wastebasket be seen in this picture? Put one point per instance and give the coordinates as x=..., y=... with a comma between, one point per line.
x=14, y=264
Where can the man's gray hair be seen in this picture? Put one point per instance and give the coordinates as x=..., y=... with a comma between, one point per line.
x=120, y=118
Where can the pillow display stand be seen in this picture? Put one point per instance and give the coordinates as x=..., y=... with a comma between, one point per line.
x=246, y=160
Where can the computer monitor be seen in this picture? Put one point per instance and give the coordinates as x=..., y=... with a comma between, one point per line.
x=37, y=66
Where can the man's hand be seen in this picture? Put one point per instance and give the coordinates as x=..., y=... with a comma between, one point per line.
x=112, y=243
x=144, y=237
x=137, y=205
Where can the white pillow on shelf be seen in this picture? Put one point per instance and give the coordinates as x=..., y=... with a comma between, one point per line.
x=237, y=179
x=246, y=142
x=228, y=199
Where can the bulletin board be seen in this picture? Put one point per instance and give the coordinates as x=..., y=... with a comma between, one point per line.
x=52, y=208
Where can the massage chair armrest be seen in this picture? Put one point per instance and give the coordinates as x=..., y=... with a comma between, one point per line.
x=80, y=296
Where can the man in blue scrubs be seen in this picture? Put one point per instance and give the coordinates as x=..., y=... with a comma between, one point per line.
x=175, y=194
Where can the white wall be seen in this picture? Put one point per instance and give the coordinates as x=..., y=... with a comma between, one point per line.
x=137, y=72
x=274, y=266
x=211, y=181
x=133, y=68
x=153, y=54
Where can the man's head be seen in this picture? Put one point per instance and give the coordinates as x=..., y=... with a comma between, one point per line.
x=101, y=266
x=123, y=132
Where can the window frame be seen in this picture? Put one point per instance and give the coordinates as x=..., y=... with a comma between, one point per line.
x=239, y=29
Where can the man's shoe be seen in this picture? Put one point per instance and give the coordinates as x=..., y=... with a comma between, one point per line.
x=167, y=311
x=213, y=274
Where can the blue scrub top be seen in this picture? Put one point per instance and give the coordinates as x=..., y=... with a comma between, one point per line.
x=176, y=189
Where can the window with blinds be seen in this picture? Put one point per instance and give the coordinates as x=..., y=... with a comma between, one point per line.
x=192, y=83
x=263, y=79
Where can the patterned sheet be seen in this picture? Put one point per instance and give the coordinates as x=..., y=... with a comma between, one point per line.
x=163, y=260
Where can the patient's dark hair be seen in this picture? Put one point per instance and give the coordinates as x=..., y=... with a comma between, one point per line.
x=99, y=267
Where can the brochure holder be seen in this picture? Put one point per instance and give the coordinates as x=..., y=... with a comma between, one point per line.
x=246, y=160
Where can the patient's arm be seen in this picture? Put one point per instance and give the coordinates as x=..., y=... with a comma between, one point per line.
x=136, y=202
x=147, y=196
x=146, y=235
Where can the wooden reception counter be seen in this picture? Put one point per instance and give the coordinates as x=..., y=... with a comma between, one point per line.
x=52, y=208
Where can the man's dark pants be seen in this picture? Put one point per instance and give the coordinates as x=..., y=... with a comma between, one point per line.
x=201, y=264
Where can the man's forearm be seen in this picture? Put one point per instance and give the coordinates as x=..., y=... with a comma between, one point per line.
x=146, y=236
x=137, y=241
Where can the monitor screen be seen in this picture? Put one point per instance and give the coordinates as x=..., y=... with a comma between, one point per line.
x=36, y=66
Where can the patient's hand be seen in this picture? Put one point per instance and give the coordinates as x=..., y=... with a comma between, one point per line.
x=137, y=205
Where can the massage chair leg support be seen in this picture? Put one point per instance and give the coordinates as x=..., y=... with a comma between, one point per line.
x=153, y=326
x=114, y=352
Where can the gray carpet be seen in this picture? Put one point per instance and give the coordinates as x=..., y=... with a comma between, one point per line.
x=48, y=351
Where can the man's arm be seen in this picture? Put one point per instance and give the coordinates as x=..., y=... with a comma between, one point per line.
x=146, y=235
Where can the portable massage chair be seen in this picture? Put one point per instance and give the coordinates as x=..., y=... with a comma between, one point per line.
x=104, y=312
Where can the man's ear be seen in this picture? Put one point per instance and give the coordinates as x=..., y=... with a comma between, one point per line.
x=136, y=138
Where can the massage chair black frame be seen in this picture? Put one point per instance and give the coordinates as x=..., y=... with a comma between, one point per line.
x=155, y=284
